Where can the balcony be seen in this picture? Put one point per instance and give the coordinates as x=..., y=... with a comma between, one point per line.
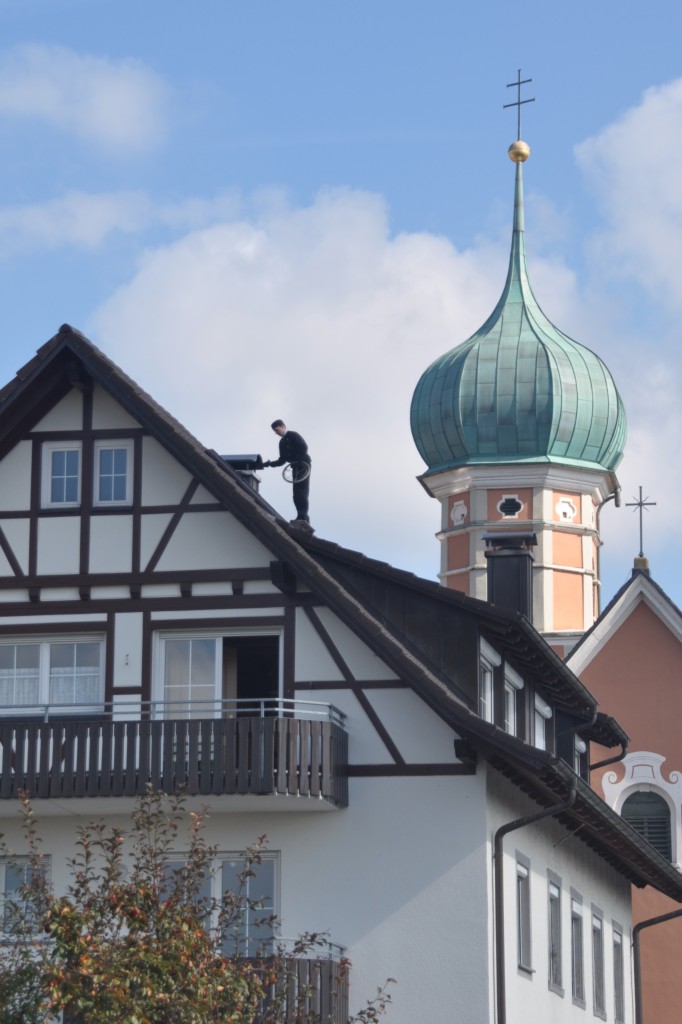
x=265, y=752
x=313, y=989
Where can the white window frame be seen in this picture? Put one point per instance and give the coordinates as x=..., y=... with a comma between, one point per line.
x=524, y=946
x=577, y=952
x=512, y=684
x=164, y=635
x=598, y=965
x=44, y=703
x=542, y=715
x=579, y=752
x=5, y=897
x=48, y=449
x=554, y=936
x=214, y=890
x=113, y=444
x=489, y=660
x=618, y=974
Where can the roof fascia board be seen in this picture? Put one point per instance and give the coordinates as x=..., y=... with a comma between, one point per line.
x=640, y=590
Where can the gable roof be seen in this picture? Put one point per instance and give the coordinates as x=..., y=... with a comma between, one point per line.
x=640, y=588
x=365, y=595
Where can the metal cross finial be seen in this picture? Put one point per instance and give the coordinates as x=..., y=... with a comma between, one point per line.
x=519, y=102
x=643, y=504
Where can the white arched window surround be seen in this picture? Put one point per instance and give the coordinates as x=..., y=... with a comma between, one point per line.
x=643, y=775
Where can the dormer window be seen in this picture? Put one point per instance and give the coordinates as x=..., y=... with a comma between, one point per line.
x=580, y=757
x=513, y=683
x=542, y=717
x=489, y=661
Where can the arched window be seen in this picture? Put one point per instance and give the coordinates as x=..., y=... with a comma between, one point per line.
x=649, y=814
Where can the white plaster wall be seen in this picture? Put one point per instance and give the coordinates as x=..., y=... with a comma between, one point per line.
x=419, y=734
x=398, y=879
x=164, y=481
x=151, y=532
x=549, y=846
x=313, y=660
x=127, y=649
x=41, y=627
x=59, y=545
x=362, y=661
x=224, y=616
x=213, y=589
x=212, y=540
x=203, y=496
x=15, y=478
x=111, y=543
x=17, y=532
x=108, y=414
x=65, y=415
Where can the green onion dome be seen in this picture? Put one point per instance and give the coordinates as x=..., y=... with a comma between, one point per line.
x=519, y=390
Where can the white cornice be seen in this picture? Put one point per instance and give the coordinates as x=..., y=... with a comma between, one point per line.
x=600, y=485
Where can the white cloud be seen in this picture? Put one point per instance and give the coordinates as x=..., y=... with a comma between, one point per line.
x=320, y=316
x=87, y=219
x=635, y=167
x=115, y=105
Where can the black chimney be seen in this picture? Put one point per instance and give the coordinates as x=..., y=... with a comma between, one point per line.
x=510, y=565
x=246, y=466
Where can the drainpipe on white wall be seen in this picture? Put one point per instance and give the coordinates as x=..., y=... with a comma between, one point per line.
x=512, y=826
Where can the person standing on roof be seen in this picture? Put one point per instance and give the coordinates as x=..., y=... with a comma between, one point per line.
x=294, y=450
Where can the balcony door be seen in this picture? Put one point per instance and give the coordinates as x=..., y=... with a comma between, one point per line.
x=208, y=676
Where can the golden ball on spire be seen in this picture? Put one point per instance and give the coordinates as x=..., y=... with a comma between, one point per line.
x=519, y=151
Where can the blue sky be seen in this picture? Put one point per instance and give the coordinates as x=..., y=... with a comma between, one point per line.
x=291, y=207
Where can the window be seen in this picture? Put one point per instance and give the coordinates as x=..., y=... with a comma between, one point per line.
x=113, y=476
x=512, y=684
x=554, y=930
x=580, y=757
x=618, y=975
x=51, y=672
x=61, y=474
x=253, y=931
x=649, y=814
x=598, y=996
x=489, y=660
x=14, y=874
x=523, y=915
x=200, y=673
x=577, y=964
x=543, y=715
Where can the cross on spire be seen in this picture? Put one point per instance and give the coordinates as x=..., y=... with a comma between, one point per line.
x=518, y=103
x=643, y=504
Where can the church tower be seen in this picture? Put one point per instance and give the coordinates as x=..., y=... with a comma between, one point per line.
x=521, y=429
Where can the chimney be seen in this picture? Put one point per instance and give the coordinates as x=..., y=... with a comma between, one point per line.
x=246, y=466
x=510, y=564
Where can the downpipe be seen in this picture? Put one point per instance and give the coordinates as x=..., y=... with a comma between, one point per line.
x=637, y=966
x=504, y=830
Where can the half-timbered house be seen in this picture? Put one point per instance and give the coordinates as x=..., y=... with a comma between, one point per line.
x=418, y=759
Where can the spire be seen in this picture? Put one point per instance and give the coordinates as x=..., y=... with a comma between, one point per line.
x=641, y=562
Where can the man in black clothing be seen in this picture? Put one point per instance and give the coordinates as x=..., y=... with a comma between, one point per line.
x=294, y=450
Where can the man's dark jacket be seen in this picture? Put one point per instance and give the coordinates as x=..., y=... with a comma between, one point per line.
x=292, y=448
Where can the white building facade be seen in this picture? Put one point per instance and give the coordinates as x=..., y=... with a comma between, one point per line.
x=159, y=623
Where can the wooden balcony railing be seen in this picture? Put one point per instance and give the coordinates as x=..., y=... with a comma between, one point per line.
x=285, y=749
x=315, y=989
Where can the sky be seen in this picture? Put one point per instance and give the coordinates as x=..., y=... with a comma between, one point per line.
x=290, y=208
